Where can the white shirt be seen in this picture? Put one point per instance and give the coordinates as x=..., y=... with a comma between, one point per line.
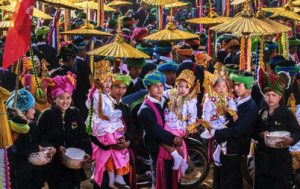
x=161, y=102
x=134, y=81
x=241, y=101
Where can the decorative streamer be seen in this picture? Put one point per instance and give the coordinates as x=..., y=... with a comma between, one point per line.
x=242, y=55
x=248, y=53
x=53, y=39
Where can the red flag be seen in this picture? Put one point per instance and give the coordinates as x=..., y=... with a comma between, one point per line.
x=18, y=37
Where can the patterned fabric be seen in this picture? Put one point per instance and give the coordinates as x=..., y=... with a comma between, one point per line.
x=153, y=78
x=25, y=100
x=271, y=82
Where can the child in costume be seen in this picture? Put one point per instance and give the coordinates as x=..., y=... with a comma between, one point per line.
x=218, y=102
x=105, y=124
x=181, y=115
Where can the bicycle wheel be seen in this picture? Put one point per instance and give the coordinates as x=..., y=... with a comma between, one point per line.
x=198, y=167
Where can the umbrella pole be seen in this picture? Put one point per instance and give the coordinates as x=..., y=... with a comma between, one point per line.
x=161, y=17
x=17, y=83
x=117, y=65
x=67, y=22
x=200, y=15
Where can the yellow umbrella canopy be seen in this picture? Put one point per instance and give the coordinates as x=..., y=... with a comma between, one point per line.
x=87, y=29
x=118, y=49
x=212, y=18
x=171, y=33
x=36, y=12
x=280, y=27
x=93, y=5
x=119, y=3
x=67, y=4
x=159, y=2
x=237, y=2
x=286, y=11
x=246, y=23
x=177, y=4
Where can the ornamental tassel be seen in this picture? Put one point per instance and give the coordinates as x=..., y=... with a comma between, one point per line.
x=39, y=91
x=242, y=55
x=248, y=53
x=5, y=134
x=261, y=53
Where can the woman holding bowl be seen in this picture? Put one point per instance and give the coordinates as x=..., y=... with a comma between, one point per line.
x=272, y=158
x=62, y=127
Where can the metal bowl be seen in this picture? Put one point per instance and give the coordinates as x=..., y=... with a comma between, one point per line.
x=40, y=158
x=273, y=137
x=73, y=158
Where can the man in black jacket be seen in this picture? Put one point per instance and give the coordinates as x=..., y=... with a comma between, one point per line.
x=238, y=136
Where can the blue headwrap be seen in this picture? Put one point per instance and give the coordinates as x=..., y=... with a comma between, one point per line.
x=25, y=100
x=168, y=66
x=147, y=50
x=153, y=78
x=163, y=50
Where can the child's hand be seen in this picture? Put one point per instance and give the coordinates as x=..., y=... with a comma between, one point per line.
x=235, y=118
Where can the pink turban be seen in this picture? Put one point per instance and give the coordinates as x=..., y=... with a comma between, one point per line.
x=60, y=85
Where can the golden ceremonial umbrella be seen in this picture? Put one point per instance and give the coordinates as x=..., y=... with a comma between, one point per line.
x=67, y=4
x=87, y=29
x=118, y=49
x=118, y=3
x=36, y=12
x=171, y=33
x=159, y=2
x=237, y=2
x=177, y=4
x=93, y=6
x=212, y=18
x=286, y=11
x=246, y=23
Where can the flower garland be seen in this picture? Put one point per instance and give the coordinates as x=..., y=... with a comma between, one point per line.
x=209, y=43
x=283, y=43
x=242, y=54
x=91, y=110
x=92, y=66
x=261, y=53
x=39, y=91
x=248, y=53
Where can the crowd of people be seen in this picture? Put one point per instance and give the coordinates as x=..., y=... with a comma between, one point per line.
x=107, y=108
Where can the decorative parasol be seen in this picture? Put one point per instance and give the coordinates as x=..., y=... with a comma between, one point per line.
x=67, y=4
x=92, y=5
x=237, y=2
x=36, y=12
x=177, y=4
x=118, y=3
x=212, y=18
x=118, y=49
x=87, y=30
x=246, y=23
x=171, y=33
x=287, y=11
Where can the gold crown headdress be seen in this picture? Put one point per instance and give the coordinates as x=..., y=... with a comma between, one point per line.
x=188, y=76
x=102, y=70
